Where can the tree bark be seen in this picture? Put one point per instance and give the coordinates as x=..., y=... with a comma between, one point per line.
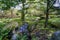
x=47, y=13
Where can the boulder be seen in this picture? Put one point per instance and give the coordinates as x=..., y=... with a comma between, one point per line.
x=55, y=36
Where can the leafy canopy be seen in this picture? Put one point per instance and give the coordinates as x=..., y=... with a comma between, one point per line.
x=6, y=4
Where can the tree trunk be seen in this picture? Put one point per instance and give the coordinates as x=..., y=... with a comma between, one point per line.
x=23, y=14
x=47, y=13
x=46, y=22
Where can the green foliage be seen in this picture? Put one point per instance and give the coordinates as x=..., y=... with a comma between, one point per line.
x=55, y=21
x=7, y=4
x=23, y=37
x=31, y=0
x=2, y=25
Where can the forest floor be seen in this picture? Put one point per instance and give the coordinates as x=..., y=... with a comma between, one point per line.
x=8, y=24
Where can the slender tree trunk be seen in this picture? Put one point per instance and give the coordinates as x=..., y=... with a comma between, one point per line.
x=46, y=21
x=47, y=13
x=23, y=14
